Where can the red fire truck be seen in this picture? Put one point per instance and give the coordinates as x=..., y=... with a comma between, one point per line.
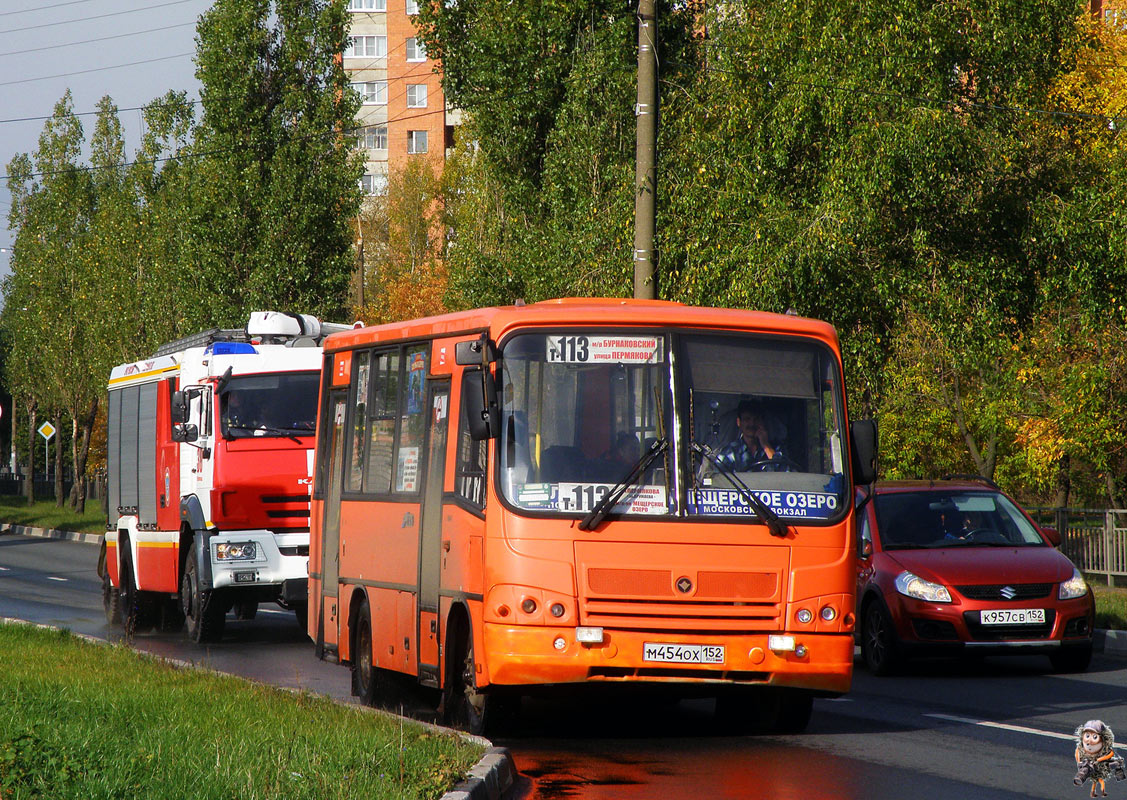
x=209, y=454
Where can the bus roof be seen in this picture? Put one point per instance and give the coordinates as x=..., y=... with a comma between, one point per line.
x=583, y=312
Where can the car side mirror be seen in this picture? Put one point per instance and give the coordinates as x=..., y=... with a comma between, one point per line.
x=863, y=450
x=185, y=432
x=1053, y=535
x=866, y=548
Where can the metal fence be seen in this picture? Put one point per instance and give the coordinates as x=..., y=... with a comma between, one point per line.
x=1095, y=539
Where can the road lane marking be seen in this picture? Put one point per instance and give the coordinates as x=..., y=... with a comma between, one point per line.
x=53, y=578
x=1016, y=728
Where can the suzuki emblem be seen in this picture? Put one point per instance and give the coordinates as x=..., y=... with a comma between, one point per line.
x=1008, y=592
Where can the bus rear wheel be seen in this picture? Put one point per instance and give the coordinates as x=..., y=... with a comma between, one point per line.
x=363, y=671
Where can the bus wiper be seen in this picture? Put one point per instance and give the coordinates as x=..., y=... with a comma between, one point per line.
x=596, y=514
x=768, y=517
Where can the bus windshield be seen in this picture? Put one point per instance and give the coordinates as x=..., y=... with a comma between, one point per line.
x=278, y=404
x=738, y=414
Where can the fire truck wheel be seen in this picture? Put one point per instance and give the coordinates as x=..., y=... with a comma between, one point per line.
x=111, y=600
x=136, y=606
x=204, y=611
x=301, y=613
x=363, y=671
x=246, y=609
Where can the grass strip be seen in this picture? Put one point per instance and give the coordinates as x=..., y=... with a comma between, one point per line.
x=45, y=514
x=1111, y=607
x=82, y=720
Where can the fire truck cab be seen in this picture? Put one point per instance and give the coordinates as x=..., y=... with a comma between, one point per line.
x=210, y=447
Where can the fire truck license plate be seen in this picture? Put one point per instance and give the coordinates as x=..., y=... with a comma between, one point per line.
x=1013, y=616
x=683, y=653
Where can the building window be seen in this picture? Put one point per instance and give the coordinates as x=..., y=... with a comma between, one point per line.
x=366, y=47
x=416, y=95
x=372, y=138
x=374, y=185
x=416, y=141
x=412, y=6
x=372, y=93
x=415, y=50
x=367, y=5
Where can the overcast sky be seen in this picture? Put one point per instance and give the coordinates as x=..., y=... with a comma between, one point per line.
x=132, y=50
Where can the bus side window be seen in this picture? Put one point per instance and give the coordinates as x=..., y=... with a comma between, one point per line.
x=470, y=478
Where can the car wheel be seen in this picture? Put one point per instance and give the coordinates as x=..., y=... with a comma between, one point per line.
x=879, y=647
x=1071, y=659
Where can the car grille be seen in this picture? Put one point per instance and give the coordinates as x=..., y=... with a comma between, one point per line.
x=1002, y=633
x=993, y=591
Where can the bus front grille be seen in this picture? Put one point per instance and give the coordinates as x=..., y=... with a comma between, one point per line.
x=675, y=615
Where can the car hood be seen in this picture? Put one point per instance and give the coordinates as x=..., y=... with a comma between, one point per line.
x=960, y=566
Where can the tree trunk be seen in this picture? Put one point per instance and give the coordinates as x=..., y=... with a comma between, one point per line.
x=1112, y=493
x=30, y=481
x=60, y=498
x=1064, y=481
x=81, y=452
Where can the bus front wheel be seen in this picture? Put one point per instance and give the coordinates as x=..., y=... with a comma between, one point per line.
x=464, y=705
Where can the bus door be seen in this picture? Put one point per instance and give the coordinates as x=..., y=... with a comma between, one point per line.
x=328, y=626
x=430, y=539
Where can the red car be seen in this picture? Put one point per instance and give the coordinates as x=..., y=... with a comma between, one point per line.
x=956, y=566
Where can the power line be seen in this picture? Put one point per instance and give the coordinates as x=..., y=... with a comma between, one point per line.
x=42, y=8
x=95, y=69
x=98, y=16
x=58, y=45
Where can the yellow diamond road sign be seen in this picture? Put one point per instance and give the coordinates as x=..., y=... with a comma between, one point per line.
x=47, y=430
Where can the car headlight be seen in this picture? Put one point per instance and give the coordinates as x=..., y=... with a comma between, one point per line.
x=241, y=551
x=1075, y=586
x=915, y=586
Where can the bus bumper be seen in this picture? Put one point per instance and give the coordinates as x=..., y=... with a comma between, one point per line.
x=527, y=655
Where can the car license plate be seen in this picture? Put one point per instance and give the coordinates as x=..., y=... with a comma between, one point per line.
x=683, y=653
x=1013, y=616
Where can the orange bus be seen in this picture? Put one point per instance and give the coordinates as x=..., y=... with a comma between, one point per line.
x=562, y=493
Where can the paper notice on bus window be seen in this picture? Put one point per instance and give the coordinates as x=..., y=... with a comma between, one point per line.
x=536, y=495
x=618, y=349
x=407, y=475
x=730, y=502
x=582, y=497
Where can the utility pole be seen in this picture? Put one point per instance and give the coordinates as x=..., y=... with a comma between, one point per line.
x=645, y=173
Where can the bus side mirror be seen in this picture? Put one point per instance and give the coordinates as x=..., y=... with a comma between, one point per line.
x=179, y=407
x=183, y=432
x=483, y=417
x=469, y=353
x=863, y=450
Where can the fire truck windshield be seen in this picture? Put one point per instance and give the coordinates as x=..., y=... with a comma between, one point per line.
x=278, y=404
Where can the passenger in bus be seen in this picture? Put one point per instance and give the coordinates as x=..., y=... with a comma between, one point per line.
x=753, y=449
x=622, y=457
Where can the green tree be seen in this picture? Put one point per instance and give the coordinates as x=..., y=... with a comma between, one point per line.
x=274, y=184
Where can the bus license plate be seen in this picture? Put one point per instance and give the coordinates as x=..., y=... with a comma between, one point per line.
x=1013, y=616
x=683, y=653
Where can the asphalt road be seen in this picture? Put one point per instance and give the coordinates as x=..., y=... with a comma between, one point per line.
x=989, y=729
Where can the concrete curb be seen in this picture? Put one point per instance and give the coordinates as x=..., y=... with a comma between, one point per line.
x=50, y=533
x=1112, y=643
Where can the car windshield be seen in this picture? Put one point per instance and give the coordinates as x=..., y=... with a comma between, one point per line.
x=278, y=404
x=584, y=412
x=952, y=518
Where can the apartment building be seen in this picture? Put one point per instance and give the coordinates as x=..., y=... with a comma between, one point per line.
x=404, y=112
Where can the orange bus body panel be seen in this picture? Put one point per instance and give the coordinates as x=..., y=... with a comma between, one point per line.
x=622, y=577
